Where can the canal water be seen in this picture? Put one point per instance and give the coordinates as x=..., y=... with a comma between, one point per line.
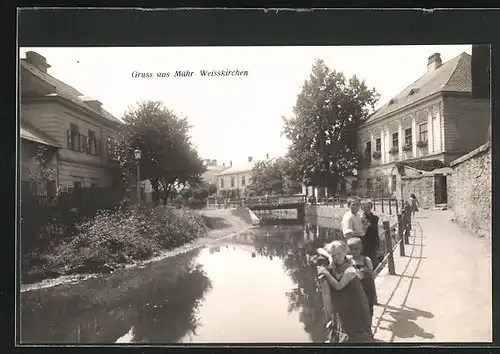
x=253, y=287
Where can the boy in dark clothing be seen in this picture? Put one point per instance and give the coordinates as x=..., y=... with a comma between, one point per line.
x=371, y=240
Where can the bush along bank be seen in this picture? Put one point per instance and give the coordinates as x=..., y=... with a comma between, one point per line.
x=112, y=239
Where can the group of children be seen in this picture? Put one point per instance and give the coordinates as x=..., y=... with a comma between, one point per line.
x=353, y=256
x=348, y=284
x=348, y=288
x=346, y=274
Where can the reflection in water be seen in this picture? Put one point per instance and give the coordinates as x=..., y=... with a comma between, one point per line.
x=248, y=302
x=214, y=249
x=292, y=245
x=253, y=287
x=153, y=304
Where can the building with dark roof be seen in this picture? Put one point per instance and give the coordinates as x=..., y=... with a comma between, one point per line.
x=434, y=119
x=56, y=115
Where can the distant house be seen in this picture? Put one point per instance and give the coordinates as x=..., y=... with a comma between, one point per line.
x=235, y=179
x=75, y=128
x=430, y=123
x=213, y=169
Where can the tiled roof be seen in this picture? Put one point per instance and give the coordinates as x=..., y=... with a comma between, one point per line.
x=423, y=165
x=31, y=134
x=452, y=76
x=217, y=168
x=66, y=91
x=437, y=171
x=241, y=168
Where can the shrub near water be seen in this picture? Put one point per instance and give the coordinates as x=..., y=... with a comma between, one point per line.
x=125, y=236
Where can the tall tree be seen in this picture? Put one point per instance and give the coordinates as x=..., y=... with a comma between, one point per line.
x=272, y=177
x=168, y=156
x=322, y=132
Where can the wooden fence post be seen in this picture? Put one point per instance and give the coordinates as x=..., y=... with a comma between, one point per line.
x=407, y=226
x=400, y=235
x=397, y=206
x=382, y=204
x=390, y=208
x=388, y=242
x=374, y=204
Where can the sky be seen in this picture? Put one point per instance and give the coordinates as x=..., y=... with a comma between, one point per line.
x=232, y=117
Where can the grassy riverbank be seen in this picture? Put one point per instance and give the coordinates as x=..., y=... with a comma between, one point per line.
x=112, y=241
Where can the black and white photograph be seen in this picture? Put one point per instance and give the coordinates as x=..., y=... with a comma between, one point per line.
x=255, y=194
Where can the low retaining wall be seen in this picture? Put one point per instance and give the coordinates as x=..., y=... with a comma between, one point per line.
x=335, y=212
x=246, y=215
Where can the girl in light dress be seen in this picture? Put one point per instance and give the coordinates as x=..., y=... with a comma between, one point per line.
x=349, y=303
x=364, y=267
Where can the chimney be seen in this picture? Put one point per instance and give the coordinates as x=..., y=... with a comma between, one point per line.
x=37, y=61
x=267, y=156
x=249, y=158
x=230, y=163
x=95, y=104
x=434, y=62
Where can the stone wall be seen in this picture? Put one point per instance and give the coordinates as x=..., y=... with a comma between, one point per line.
x=472, y=190
x=422, y=187
x=336, y=213
x=450, y=192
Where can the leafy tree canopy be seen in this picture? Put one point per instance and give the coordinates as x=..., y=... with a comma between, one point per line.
x=273, y=177
x=322, y=131
x=168, y=156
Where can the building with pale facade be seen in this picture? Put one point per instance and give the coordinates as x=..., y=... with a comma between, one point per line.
x=75, y=129
x=213, y=169
x=433, y=121
x=236, y=178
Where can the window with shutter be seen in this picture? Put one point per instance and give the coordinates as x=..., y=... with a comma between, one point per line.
x=75, y=140
x=92, y=143
x=80, y=143
x=69, y=139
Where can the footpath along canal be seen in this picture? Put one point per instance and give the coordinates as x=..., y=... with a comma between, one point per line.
x=250, y=287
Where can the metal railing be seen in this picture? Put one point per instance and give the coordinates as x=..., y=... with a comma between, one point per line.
x=389, y=206
x=225, y=203
x=275, y=199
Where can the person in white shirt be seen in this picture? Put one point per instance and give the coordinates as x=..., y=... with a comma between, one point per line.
x=352, y=224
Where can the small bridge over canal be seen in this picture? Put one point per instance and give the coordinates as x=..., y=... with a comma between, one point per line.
x=281, y=203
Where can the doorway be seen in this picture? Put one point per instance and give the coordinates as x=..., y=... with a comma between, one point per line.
x=440, y=190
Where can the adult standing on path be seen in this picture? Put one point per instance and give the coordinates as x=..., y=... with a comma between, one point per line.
x=352, y=225
x=414, y=204
x=371, y=241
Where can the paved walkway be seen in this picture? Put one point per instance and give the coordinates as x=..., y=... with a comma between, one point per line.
x=442, y=289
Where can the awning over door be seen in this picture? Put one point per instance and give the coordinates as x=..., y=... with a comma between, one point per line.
x=35, y=137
